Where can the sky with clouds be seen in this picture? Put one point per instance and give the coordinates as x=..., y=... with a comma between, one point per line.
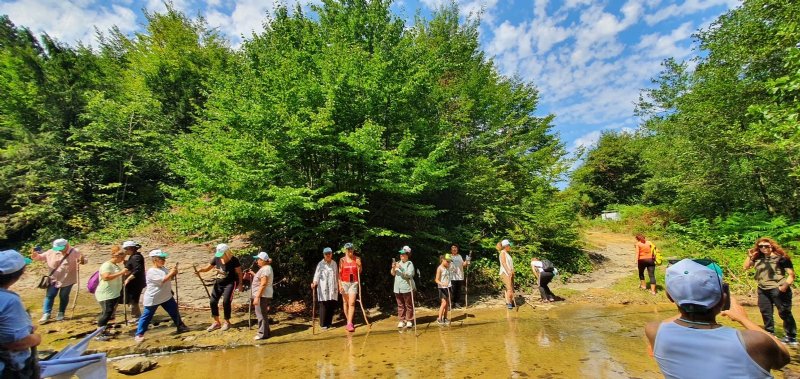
x=589, y=58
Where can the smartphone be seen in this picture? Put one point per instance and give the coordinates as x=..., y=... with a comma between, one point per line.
x=37, y=248
x=727, y=290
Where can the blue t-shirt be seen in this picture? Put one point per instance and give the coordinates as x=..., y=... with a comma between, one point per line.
x=15, y=324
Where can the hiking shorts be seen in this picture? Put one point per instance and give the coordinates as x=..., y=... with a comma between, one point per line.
x=350, y=288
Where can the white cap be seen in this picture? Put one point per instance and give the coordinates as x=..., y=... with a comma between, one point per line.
x=158, y=253
x=406, y=249
x=327, y=250
x=505, y=243
x=221, y=249
x=128, y=244
x=689, y=282
x=60, y=244
x=262, y=256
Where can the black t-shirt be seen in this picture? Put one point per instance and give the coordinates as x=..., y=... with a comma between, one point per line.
x=135, y=265
x=226, y=272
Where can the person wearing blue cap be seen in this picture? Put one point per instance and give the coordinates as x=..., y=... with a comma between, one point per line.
x=158, y=292
x=229, y=275
x=694, y=345
x=262, y=293
x=17, y=335
x=326, y=284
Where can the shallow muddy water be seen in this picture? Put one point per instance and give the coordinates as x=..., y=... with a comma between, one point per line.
x=568, y=341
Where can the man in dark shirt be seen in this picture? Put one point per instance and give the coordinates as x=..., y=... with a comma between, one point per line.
x=135, y=282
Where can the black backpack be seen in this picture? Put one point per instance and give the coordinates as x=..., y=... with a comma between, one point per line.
x=547, y=266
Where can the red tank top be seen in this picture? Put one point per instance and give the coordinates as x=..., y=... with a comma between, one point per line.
x=349, y=272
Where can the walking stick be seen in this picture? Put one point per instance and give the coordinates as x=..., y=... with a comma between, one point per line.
x=177, y=291
x=413, y=307
x=313, y=310
x=360, y=302
x=77, y=291
x=124, y=304
x=201, y=281
x=466, y=286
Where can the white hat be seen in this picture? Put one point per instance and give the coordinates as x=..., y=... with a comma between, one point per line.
x=406, y=249
x=60, y=244
x=221, y=249
x=327, y=250
x=128, y=244
x=505, y=243
x=158, y=253
x=689, y=282
x=262, y=256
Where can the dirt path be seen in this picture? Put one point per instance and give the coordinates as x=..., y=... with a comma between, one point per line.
x=612, y=256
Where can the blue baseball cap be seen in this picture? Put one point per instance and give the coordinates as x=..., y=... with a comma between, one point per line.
x=692, y=283
x=12, y=261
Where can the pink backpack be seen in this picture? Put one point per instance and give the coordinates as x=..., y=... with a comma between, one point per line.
x=93, y=282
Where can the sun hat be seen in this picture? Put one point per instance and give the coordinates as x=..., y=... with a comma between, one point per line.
x=12, y=261
x=221, y=249
x=262, y=256
x=128, y=244
x=448, y=257
x=158, y=253
x=348, y=245
x=694, y=285
x=505, y=243
x=327, y=250
x=60, y=244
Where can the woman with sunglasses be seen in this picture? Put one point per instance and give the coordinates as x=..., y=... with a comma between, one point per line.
x=774, y=273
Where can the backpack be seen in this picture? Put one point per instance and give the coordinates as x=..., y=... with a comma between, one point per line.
x=93, y=282
x=547, y=266
x=657, y=258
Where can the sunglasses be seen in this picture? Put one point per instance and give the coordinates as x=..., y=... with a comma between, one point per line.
x=763, y=246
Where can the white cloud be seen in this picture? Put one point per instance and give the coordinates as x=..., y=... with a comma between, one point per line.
x=70, y=22
x=688, y=7
x=248, y=17
x=587, y=140
x=666, y=45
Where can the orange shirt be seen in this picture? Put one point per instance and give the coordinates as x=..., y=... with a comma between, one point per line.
x=643, y=251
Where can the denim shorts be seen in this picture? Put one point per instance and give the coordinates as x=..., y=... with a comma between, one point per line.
x=350, y=288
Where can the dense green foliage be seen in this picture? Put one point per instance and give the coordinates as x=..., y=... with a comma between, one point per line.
x=342, y=125
x=720, y=139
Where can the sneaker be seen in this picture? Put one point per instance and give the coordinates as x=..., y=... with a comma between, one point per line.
x=258, y=338
x=324, y=328
x=409, y=324
x=182, y=328
x=60, y=316
x=351, y=328
x=401, y=324
x=440, y=321
x=225, y=326
x=789, y=341
x=138, y=339
x=510, y=305
x=213, y=327
x=102, y=337
x=446, y=322
x=45, y=318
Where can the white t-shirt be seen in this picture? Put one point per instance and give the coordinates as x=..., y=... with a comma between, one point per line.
x=264, y=272
x=157, y=291
x=457, y=267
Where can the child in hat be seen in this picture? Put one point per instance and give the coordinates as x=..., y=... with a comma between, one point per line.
x=443, y=283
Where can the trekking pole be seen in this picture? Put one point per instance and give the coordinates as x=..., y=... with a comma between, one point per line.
x=77, y=291
x=250, y=306
x=413, y=309
x=466, y=286
x=124, y=304
x=313, y=310
x=177, y=292
x=449, y=301
x=201, y=281
x=360, y=301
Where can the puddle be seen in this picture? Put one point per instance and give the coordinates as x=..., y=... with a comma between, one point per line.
x=572, y=340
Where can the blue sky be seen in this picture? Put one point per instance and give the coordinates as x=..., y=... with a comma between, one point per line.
x=589, y=58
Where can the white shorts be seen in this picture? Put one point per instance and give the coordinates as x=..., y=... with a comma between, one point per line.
x=350, y=288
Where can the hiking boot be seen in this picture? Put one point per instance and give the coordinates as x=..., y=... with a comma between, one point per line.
x=409, y=324
x=791, y=341
x=138, y=339
x=60, y=316
x=225, y=326
x=182, y=328
x=45, y=318
x=213, y=327
x=401, y=324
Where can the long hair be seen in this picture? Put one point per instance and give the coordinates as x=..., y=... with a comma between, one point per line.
x=776, y=248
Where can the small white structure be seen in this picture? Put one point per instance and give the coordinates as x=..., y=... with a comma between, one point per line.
x=610, y=215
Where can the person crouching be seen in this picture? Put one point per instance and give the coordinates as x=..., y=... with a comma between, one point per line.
x=159, y=293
